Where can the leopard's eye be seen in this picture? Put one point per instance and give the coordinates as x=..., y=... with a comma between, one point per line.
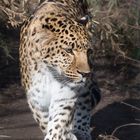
x=69, y=50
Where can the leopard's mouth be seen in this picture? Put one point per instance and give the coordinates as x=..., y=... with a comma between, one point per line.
x=66, y=78
x=71, y=81
x=76, y=81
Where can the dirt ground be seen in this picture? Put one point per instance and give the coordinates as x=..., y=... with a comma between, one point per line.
x=16, y=122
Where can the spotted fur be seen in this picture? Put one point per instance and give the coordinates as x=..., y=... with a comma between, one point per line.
x=57, y=71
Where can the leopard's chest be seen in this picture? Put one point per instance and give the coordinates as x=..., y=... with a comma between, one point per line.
x=45, y=89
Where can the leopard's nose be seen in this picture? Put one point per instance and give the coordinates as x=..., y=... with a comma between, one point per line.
x=85, y=74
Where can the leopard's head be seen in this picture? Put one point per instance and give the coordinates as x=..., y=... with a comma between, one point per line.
x=66, y=51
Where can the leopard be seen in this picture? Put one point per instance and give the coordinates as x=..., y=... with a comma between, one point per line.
x=57, y=69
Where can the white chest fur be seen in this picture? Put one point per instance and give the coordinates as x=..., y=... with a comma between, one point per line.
x=45, y=89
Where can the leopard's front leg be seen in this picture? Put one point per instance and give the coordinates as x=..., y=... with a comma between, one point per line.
x=61, y=114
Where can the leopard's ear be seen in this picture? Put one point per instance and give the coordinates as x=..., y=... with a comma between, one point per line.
x=84, y=20
x=87, y=22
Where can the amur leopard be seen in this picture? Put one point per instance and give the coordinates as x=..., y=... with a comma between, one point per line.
x=57, y=70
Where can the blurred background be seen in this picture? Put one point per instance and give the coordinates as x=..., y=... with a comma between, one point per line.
x=115, y=26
